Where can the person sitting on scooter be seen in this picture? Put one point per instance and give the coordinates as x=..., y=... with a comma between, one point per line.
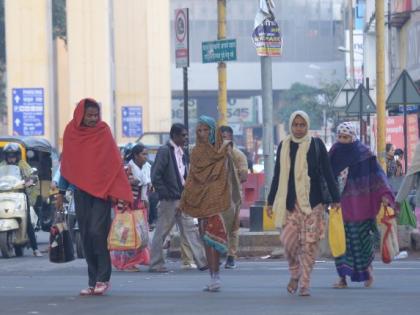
x=13, y=156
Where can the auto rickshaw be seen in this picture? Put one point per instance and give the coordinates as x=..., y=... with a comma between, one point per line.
x=39, y=154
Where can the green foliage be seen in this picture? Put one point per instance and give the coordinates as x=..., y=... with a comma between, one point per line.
x=309, y=99
x=59, y=19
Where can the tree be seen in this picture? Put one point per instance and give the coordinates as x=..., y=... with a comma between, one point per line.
x=59, y=19
x=309, y=99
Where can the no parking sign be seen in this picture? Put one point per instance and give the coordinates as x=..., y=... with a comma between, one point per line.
x=182, y=38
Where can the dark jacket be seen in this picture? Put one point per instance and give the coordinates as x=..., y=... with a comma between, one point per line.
x=315, y=195
x=165, y=174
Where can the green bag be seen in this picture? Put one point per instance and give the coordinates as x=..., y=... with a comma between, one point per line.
x=406, y=216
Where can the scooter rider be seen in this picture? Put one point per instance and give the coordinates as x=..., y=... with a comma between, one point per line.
x=13, y=156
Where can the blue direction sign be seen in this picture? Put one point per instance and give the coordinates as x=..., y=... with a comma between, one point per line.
x=132, y=121
x=28, y=111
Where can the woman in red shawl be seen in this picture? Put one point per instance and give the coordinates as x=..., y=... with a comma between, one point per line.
x=91, y=165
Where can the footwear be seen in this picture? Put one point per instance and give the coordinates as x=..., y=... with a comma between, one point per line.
x=87, y=291
x=159, y=270
x=340, y=284
x=101, y=288
x=131, y=269
x=230, y=263
x=37, y=253
x=204, y=268
x=189, y=266
x=214, y=286
x=304, y=292
x=292, y=285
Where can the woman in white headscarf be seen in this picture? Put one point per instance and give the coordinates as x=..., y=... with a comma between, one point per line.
x=296, y=199
x=412, y=181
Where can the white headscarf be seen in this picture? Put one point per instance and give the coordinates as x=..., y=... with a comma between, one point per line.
x=347, y=128
x=302, y=179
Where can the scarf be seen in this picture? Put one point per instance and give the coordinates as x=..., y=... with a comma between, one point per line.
x=209, y=189
x=347, y=128
x=366, y=181
x=301, y=177
x=91, y=160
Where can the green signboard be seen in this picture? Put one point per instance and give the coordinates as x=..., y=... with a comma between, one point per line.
x=219, y=50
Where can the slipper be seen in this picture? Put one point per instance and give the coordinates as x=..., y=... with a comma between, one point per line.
x=369, y=282
x=304, y=292
x=340, y=284
x=292, y=286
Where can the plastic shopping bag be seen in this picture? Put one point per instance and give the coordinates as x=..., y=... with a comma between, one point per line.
x=123, y=234
x=389, y=238
x=336, y=233
x=406, y=215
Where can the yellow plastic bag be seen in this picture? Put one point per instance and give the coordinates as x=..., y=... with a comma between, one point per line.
x=336, y=233
x=123, y=234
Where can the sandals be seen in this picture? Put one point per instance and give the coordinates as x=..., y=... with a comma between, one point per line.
x=87, y=291
x=292, y=287
x=304, y=292
x=101, y=288
x=340, y=284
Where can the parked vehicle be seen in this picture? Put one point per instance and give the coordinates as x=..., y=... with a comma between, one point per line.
x=13, y=212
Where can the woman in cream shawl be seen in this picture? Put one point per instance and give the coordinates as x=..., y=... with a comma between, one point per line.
x=296, y=199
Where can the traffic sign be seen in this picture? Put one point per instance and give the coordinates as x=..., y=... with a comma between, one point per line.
x=28, y=111
x=404, y=92
x=342, y=99
x=132, y=121
x=219, y=50
x=182, y=56
x=361, y=103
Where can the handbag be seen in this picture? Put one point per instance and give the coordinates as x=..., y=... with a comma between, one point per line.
x=406, y=215
x=389, y=238
x=326, y=196
x=61, y=245
x=336, y=233
x=123, y=234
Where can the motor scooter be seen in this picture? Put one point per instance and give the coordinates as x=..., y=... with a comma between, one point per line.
x=13, y=212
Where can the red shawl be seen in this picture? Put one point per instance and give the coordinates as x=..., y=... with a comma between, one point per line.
x=91, y=160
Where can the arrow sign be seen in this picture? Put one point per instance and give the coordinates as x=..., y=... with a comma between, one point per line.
x=404, y=92
x=361, y=103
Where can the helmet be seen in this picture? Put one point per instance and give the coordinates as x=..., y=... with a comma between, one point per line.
x=12, y=149
x=127, y=152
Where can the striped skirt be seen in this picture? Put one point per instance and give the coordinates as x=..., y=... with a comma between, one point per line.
x=360, y=240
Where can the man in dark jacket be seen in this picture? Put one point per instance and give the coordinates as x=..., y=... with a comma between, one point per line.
x=169, y=172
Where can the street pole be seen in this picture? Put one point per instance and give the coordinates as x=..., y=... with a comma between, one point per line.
x=380, y=81
x=221, y=68
x=185, y=78
x=405, y=122
x=267, y=102
x=351, y=27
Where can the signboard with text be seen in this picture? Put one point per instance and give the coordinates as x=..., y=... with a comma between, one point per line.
x=28, y=111
x=267, y=39
x=132, y=121
x=219, y=50
x=182, y=54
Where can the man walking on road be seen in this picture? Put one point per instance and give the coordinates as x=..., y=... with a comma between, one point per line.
x=231, y=216
x=92, y=165
x=169, y=172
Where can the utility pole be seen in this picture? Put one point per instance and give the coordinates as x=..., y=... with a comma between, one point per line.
x=221, y=68
x=380, y=81
x=351, y=48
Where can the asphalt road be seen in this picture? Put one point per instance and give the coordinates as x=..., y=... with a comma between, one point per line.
x=31, y=285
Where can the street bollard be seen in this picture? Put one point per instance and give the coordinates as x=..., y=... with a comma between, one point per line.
x=256, y=217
